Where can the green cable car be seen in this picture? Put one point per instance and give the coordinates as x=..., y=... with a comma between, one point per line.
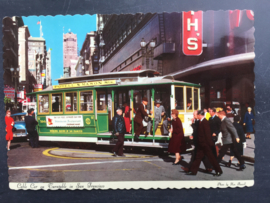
x=80, y=109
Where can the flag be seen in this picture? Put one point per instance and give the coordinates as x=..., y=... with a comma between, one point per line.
x=38, y=22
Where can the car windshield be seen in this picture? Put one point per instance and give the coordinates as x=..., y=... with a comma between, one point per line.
x=18, y=118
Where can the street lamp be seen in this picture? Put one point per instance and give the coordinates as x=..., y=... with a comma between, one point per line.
x=15, y=75
x=147, y=52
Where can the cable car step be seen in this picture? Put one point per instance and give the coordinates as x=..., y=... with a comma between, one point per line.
x=135, y=144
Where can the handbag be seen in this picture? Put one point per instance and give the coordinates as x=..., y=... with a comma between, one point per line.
x=14, y=129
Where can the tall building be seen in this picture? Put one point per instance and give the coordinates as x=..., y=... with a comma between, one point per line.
x=25, y=81
x=89, y=54
x=10, y=53
x=37, y=57
x=224, y=68
x=48, y=69
x=70, y=52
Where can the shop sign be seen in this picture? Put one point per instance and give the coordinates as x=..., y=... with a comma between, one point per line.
x=85, y=84
x=192, y=33
x=38, y=87
x=65, y=121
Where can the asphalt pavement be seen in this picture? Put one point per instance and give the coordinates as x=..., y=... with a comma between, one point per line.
x=74, y=162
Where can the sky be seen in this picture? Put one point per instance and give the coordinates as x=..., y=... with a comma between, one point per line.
x=52, y=28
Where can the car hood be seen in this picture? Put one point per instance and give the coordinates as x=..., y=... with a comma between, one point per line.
x=20, y=125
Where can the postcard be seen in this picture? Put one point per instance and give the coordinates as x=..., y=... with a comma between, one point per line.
x=151, y=101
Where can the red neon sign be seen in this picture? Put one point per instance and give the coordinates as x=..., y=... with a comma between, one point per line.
x=192, y=33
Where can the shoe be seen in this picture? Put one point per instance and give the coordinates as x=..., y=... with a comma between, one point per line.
x=176, y=163
x=185, y=169
x=114, y=154
x=191, y=173
x=218, y=174
x=229, y=164
x=146, y=134
x=209, y=170
x=242, y=167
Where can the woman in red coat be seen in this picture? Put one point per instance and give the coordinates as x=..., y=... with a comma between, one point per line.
x=9, y=123
x=177, y=142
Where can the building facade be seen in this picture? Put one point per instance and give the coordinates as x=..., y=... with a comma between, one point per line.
x=70, y=51
x=48, y=69
x=11, y=66
x=37, y=59
x=224, y=69
x=24, y=79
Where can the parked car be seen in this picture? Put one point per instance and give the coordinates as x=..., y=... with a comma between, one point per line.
x=19, y=124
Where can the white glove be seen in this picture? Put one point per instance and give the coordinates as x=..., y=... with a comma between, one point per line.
x=244, y=145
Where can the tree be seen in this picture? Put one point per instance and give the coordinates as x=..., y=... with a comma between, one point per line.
x=7, y=100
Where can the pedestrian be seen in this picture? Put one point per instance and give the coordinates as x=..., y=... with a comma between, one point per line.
x=127, y=117
x=229, y=138
x=215, y=124
x=241, y=135
x=30, y=123
x=248, y=122
x=205, y=144
x=119, y=129
x=177, y=143
x=140, y=115
x=9, y=126
x=159, y=111
x=194, y=137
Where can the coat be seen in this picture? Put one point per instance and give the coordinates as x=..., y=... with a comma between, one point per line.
x=30, y=124
x=229, y=133
x=215, y=123
x=248, y=121
x=204, y=134
x=9, y=121
x=119, y=124
x=177, y=142
x=127, y=118
x=140, y=114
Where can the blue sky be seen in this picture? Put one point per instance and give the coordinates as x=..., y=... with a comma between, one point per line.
x=52, y=28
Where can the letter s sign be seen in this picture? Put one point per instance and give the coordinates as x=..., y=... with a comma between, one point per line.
x=192, y=33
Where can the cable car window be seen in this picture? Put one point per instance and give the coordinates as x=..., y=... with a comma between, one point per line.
x=71, y=101
x=101, y=101
x=43, y=103
x=86, y=101
x=57, y=103
x=189, y=99
x=196, y=99
x=179, y=98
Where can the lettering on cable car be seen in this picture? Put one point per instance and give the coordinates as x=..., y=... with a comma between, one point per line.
x=85, y=84
x=192, y=33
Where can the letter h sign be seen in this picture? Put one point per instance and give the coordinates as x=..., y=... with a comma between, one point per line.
x=192, y=33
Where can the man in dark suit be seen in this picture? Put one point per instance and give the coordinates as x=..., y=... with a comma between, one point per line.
x=30, y=123
x=215, y=124
x=140, y=114
x=204, y=147
x=194, y=137
x=229, y=136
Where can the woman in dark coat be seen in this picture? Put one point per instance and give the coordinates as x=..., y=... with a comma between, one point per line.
x=177, y=141
x=249, y=117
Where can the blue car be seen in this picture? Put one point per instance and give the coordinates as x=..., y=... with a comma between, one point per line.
x=19, y=124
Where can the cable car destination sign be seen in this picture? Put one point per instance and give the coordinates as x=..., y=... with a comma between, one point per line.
x=192, y=33
x=85, y=84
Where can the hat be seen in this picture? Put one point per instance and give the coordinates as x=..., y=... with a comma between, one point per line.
x=145, y=99
x=158, y=101
x=119, y=108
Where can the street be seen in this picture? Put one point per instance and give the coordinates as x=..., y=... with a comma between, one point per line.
x=75, y=162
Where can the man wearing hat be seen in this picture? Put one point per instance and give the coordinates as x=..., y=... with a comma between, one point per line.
x=159, y=112
x=140, y=114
